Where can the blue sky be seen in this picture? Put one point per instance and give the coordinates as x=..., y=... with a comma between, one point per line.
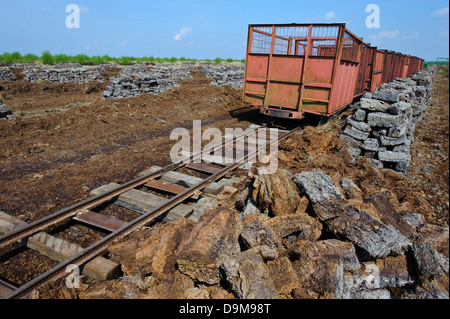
x=210, y=28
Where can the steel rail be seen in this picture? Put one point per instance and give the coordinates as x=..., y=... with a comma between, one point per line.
x=92, y=251
x=97, y=200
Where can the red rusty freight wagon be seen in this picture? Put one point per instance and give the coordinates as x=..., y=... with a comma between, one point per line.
x=295, y=69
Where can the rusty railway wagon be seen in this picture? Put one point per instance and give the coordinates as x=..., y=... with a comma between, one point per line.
x=297, y=69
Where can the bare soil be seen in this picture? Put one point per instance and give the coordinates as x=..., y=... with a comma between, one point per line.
x=428, y=173
x=68, y=141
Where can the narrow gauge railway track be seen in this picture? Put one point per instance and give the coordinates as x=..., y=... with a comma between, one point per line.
x=91, y=252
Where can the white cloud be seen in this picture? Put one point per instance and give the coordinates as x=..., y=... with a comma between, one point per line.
x=441, y=12
x=183, y=33
x=122, y=44
x=412, y=36
x=385, y=35
x=329, y=16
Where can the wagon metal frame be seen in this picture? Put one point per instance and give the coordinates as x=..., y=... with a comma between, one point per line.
x=295, y=69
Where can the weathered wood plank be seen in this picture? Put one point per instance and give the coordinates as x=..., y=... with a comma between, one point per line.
x=145, y=202
x=206, y=169
x=203, y=168
x=185, y=180
x=169, y=188
x=99, y=220
x=58, y=249
x=219, y=160
x=178, y=179
x=222, y=161
x=190, y=181
x=5, y=288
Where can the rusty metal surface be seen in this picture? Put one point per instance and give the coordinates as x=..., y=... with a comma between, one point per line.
x=168, y=188
x=281, y=113
x=388, y=65
x=364, y=71
x=406, y=66
x=295, y=69
x=203, y=168
x=99, y=220
x=378, y=67
x=301, y=68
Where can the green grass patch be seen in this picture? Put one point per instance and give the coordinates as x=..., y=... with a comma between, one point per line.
x=47, y=58
x=429, y=63
x=443, y=72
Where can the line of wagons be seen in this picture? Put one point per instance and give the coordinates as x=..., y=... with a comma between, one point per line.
x=295, y=69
